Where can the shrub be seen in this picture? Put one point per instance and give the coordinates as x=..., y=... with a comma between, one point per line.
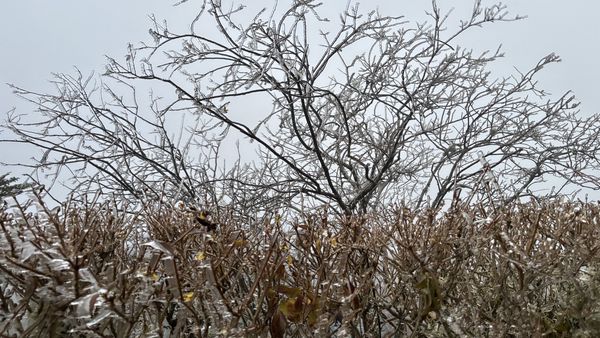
x=97, y=269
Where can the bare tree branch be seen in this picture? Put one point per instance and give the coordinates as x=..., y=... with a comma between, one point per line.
x=375, y=111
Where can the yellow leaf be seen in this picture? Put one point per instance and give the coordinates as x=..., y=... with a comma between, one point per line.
x=289, y=291
x=313, y=316
x=290, y=260
x=271, y=294
x=188, y=296
x=272, y=298
x=154, y=277
x=200, y=256
x=292, y=308
x=239, y=243
x=333, y=242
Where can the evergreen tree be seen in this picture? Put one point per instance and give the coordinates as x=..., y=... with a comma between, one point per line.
x=8, y=187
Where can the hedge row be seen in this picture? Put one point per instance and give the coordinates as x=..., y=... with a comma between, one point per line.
x=101, y=270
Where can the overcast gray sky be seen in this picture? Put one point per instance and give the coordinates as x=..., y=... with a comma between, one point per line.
x=40, y=37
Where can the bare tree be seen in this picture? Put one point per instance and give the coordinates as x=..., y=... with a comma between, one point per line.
x=372, y=111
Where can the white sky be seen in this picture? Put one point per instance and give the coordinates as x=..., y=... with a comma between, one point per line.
x=40, y=37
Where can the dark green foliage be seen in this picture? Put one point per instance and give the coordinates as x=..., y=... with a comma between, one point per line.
x=8, y=187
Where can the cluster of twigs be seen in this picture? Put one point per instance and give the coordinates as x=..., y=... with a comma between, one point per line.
x=97, y=269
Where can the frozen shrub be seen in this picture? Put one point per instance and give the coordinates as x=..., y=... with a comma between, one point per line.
x=97, y=269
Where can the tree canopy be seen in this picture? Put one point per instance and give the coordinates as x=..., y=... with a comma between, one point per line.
x=371, y=111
